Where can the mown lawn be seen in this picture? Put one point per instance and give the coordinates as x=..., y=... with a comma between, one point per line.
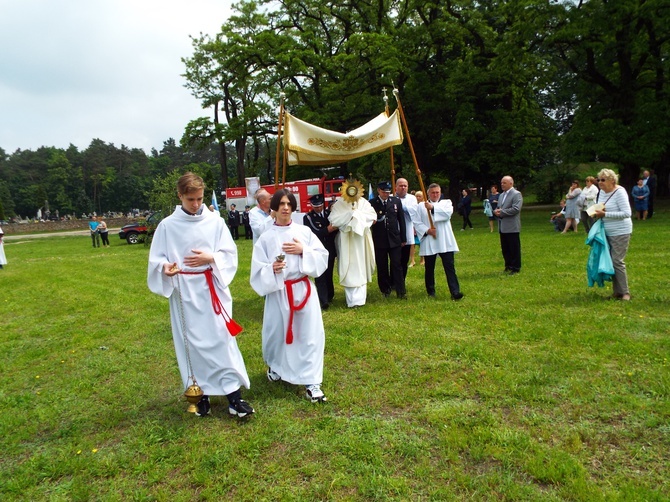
x=533, y=387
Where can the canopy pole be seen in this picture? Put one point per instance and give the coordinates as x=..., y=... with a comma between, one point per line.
x=386, y=110
x=279, y=136
x=396, y=93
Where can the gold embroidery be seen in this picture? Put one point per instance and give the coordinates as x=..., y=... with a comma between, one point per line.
x=347, y=144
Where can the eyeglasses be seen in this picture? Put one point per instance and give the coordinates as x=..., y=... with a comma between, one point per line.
x=602, y=180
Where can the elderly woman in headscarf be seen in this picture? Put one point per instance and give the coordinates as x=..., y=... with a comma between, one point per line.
x=616, y=217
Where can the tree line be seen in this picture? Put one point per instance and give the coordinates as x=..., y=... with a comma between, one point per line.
x=531, y=88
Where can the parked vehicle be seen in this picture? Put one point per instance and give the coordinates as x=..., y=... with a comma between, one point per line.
x=138, y=231
x=302, y=189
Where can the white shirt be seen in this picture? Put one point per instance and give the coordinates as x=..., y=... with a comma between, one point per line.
x=444, y=241
x=409, y=203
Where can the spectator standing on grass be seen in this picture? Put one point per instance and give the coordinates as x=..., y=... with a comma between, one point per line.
x=234, y=221
x=572, y=207
x=493, y=202
x=104, y=232
x=192, y=261
x=588, y=198
x=436, y=241
x=616, y=216
x=465, y=208
x=293, y=337
x=509, y=224
x=640, y=194
x=3, y=258
x=93, y=225
x=650, y=182
x=248, y=234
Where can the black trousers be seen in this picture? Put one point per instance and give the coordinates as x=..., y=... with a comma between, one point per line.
x=449, y=271
x=404, y=258
x=388, y=259
x=248, y=234
x=235, y=232
x=510, y=244
x=324, y=283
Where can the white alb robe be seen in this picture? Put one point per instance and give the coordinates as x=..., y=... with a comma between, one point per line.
x=300, y=362
x=444, y=240
x=355, y=249
x=3, y=258
x=215, y=357
x=259, y=221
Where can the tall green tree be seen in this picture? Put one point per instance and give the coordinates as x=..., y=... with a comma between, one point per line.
x=615, y=57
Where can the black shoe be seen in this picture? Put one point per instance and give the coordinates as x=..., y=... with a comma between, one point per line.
x=386, y=294
x=203, y=407
x=240, y=408
x=513, y=272
x=431, y=294
x=457, y=296
x=402, y=296
x=324, y=306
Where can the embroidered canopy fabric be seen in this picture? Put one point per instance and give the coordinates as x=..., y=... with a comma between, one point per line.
x=308, y=144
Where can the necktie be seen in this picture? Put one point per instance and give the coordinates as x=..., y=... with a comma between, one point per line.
x=503, y=198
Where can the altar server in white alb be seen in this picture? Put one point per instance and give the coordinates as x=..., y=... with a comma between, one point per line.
x=285, y=258
x=355, y=249
x=192, y=261
x=438, y=240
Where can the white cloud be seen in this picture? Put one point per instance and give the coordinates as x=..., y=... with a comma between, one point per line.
x=75, y=70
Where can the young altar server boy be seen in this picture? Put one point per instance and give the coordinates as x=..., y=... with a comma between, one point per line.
x=285, y=258
x=192, y=261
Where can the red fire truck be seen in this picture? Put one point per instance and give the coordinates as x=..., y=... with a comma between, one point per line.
x=302, y=189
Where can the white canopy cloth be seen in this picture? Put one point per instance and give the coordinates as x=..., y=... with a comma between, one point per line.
x=308, y=144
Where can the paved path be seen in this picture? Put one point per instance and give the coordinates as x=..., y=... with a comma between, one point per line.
x=20, y=237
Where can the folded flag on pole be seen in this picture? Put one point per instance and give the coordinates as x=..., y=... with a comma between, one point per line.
x=214, y=203
x=370, y=194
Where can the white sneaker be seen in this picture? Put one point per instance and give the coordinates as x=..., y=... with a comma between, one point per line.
x=315, y=394
x=272, y=376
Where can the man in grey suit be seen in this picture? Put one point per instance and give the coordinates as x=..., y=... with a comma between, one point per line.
x=509, y=224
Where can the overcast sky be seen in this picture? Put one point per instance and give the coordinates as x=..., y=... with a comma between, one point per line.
x=75, y=70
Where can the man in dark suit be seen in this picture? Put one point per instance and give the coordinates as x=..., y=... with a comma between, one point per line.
x=389, y=235
x=317, y=221
x=509, y=224
x=247, y=224
x=234, y=221
x=650, y=181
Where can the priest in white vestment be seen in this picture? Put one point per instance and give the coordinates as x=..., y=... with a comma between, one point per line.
x=436, y=241
x=285, y=259
x=355, y=249
x=192, y=261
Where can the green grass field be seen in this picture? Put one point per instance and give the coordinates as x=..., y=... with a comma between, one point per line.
x=533, y=387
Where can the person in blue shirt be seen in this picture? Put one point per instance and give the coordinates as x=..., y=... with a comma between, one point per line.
x=95, y=234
